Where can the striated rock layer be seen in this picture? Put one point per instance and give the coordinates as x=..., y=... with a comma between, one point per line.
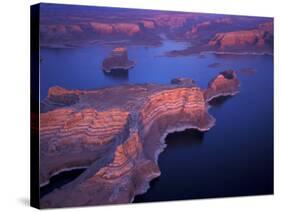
x=117, y=61
x=118, y=134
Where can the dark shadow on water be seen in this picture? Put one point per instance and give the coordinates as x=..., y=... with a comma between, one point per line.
x=190, y=137
x=183, y=140
x=117, y=74
x=59, y=180
x=219, y=101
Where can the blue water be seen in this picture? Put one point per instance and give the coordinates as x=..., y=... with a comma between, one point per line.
x=234, y=158
x=80, y=68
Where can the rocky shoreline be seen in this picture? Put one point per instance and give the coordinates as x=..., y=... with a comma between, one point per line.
x=118, y=139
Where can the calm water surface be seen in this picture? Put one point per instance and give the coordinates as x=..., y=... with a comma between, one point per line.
x=234, y=158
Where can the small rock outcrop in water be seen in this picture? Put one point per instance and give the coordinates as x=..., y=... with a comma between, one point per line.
x=118, y=134
x=225, y=84
x=117, y=61
x=184, y=81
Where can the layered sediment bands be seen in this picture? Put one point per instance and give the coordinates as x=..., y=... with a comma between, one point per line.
x=259, y=40
x=225, y=84
x=229, y=36
x=247, y=39
x=170, y=111
x=118, y=133
x=59, y=97
x=70, y=138
x=117, y=61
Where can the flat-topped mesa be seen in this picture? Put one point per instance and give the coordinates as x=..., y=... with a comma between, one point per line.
x=59, y=97
x=117, y=61
x=225, y=84
x=118, y=134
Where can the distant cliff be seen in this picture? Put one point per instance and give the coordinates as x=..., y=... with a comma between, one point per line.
x=225, y=34
x=207, y=37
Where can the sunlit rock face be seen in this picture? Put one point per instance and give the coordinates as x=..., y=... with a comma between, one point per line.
x=117, y=61
x=128, y=29
x=260, y=38
x=68, y=138
x=229, y=35
x=225, y=84
x=118, y=134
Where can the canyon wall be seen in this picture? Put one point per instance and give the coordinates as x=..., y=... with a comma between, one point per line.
x=64, y=27
x=118, y=139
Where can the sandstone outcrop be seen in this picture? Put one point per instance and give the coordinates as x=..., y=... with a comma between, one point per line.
x=117, y=61
x=205, y=32
x=118, y=134
x=229, y=35
x=238, y=39
x=225, y=84
x=259, y=38
x=118, y=28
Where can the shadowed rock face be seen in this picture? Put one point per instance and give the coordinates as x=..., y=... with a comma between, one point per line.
x=117, y=61
x=118, y=134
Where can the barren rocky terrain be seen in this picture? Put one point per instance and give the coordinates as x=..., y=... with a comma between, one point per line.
x=118, y=139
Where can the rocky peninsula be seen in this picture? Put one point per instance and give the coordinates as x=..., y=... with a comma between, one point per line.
x=118, y=61
x=118, y=134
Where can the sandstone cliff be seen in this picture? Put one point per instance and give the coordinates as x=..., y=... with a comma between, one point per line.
x=118, y=134
x=66, y=27
x=117, y=61
x=258, y=39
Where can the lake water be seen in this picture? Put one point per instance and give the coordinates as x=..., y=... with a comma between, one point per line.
x=234, y=158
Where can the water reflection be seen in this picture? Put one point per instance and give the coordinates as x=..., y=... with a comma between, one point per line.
x=178, y=140
x=190, y=137
x=117, y=74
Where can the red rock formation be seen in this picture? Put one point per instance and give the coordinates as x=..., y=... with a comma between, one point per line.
x=260, y=38
x=148, y=24
x=119, y=28
x=118, y=139
x=118, y=60
x=208, y=27
x=198, y=27
x=238, y=39
x=228, y=36
x=70, y=138
x=225, y=84
x=102, y=28
x=72, y=28
x=172, y=21
x=126, y=28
